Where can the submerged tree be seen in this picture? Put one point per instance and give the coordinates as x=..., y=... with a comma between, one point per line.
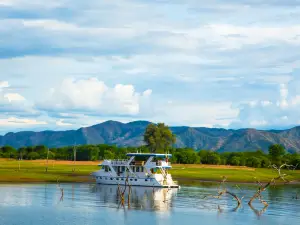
x=222, y=190
x=158, y=137
x=263, y=187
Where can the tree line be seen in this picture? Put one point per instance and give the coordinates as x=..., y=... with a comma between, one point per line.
x=258, y=159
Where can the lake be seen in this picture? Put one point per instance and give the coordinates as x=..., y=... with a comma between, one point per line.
x=90, y=204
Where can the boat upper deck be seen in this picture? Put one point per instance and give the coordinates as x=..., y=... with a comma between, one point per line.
x=163, y=162
x=157, y=155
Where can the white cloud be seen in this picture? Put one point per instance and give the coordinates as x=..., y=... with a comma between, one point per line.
x=266, y=103
x=14, y=104
x=3, y=84
x=62, y=123
x=258, y=123
x=295, y=100
x=13, y=121
x=283, y=96
x=197, y=53
x=93, y=96
x=14, y=97
x=6, y=2
x=24, y=4
x=231, y=36
x=282, y=112
x=147, y=92
x=209, y=114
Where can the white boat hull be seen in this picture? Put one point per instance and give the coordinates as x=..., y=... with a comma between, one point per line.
x=145, y=182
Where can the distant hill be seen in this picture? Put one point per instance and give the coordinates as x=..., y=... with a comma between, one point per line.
x=131, y=134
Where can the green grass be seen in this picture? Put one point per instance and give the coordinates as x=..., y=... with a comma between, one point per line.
x=34, y=171
x=185, y=173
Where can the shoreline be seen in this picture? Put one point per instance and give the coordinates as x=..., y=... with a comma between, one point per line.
x=33, y=171
x=181, y=181
x=234, y=182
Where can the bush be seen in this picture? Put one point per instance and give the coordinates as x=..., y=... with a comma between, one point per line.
x=253, y=162
x=33, y=155
x=235, y=161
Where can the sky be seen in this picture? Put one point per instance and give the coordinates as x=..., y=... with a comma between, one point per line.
x=67, y=64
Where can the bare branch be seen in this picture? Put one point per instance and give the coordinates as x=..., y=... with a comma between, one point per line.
x=262, y=187
x=222, y=190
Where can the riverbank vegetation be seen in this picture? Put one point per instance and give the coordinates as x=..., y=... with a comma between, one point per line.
x=15, y=171
x=256, y=159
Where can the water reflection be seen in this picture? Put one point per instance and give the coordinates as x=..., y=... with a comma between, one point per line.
x=100, y=204
x=145, y=198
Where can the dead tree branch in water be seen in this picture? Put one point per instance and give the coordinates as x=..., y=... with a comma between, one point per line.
x=222, y=190
x=258, y=212
x=121, y=192
x=62, y=194
x=262, y=187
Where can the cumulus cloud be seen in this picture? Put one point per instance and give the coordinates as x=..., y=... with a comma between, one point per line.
x=203, y=55
x=62, y=123
x=13, y=121
x=281, y=112
x=201, y=114
x=92, y=96
x=15, y=104
x=3, y=84
x=14, y=97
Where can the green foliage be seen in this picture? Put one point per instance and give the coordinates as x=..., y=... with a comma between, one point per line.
x=33, y=155
x=257, y=159
x=276, y=153
x=8, y=152
x=158, y=137
x=187, y=156
x=254, y=162
x=235, y=161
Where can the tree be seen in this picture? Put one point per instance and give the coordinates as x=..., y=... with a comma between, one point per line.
x=33, y=155
x=158, y=137
x=108, y=154
x=276, y=152
x=253, y=162
x=213, y=158
x=235, y=161
x=8, y=152
x=187, y=156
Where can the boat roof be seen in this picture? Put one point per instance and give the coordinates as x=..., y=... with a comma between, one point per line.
x=150, y=154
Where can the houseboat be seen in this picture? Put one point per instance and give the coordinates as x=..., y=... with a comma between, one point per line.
x=141, y=169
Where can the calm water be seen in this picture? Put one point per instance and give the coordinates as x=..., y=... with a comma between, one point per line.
x=87, y=204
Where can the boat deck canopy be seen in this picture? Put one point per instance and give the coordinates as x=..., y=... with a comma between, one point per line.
x=150, y=154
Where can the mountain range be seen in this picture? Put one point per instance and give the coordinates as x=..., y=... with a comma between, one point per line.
x=131, y=134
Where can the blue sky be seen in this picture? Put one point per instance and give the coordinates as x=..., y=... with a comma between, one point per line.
x=231, y=64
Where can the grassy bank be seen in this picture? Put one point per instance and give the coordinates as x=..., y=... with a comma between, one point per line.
x=34, y=171
x=188, y=173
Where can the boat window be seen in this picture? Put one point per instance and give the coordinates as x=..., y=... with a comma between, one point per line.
x=130, y=179
x=105, y=178
x=111, y=178
x=135, y=179
x=137, y=169
x=122, y=178
x=133, y=169
x=146, y=180
x=117, y=178
x=142, y=169
x=100, y=177
x=106, y=168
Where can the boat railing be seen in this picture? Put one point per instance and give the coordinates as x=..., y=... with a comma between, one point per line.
x=159, y=163
x=163, y=163
x=117, y=162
